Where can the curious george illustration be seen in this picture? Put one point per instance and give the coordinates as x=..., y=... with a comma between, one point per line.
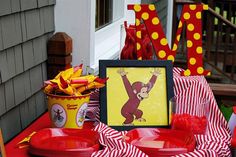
x=136, y=93
x=57, y=115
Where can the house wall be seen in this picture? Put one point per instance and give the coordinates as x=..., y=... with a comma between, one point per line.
x=25, y=26
x=161, y=7
x=86, y=42
x=165, y=13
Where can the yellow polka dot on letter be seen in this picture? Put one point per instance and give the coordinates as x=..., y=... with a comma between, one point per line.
x=164, y=41
x=151, y=7
x=155, y=35
x=186, y=16
x=209, y=73
x=200, y=70
x=189, y=43
x=171, y=57
x=178, y=37
x=145, y=15
x=187, y=72
x=175, y=47
x=196, y=36
x=192, y=7
x=137, y=22
x=155, y=21
x=199, y=50
x=180, y=24
x=190, y=27
x=198, y=15
x=192, y=61
x=138, y=34
x=138, y=46
x=205, y=7
x=137, y=8
x=161, y=54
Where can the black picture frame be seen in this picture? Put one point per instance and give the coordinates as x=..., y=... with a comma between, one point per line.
x=107, y=68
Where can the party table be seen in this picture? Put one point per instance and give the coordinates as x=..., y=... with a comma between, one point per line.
x=42, y=122
x=215, y=142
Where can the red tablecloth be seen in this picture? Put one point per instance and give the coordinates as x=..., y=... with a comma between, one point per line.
x=40, y=123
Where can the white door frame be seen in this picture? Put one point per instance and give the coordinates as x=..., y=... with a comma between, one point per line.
x=170, y=21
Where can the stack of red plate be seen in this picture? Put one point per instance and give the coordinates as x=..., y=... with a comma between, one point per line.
x=56, y=142
x=161, y=142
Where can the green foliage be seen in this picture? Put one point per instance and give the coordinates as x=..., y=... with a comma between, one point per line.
x=227, y=111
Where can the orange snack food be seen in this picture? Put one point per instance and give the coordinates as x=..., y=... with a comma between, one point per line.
x=71, y=83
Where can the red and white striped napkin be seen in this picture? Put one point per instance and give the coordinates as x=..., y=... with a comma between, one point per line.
x=215, y=143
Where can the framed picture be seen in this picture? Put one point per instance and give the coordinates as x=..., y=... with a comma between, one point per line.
x=136, y=94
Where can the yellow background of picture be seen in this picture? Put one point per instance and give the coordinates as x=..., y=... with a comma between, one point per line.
x=154, y=107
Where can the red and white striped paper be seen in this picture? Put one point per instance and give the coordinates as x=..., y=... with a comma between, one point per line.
x=215, y=143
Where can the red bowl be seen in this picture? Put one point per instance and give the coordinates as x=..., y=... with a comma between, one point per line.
x=57, y=142
x=161, y=142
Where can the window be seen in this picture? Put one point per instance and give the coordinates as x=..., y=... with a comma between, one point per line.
x=107, y=38
x=108, y=11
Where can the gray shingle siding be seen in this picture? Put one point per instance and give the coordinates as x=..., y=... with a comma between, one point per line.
x=40, y=103
x=28, y=4
x=3, y=66
x=9, y=95
x=48, y=16
x=5, y=7
x=42, y=3
x=19, y=93
x=27, y=86
x=28, y=55
x=2, y=100
x=32, y=20
x=51, y=2
x=18, y=59
x=25, y=27
x=10, y=36
x=1, y=41
x=15, y=6
x=10, y=123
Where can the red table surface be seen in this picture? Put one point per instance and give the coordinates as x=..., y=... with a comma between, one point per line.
x=41, y=123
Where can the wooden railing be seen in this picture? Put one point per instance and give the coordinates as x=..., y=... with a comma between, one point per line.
x=219, y=37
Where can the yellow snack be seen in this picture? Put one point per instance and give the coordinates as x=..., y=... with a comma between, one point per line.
x=67, y=73
x=90, y=86
x=76, y=93
x=77, y=71
x=70, y=82
x=69, y=90
x=90, y=78
x=58, y=75
x=65, y=87
x=48, y=89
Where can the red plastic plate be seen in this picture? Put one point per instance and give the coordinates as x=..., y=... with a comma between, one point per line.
x=57, y=142
x=161, y=142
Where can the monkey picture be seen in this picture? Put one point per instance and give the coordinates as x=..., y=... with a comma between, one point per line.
x=57, y=116
x=136, y=91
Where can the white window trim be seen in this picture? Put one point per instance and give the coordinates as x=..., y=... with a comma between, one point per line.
x=108, y=39
x=77, y=19
x=169, y=22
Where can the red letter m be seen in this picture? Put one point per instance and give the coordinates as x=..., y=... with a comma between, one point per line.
x=191, y=16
